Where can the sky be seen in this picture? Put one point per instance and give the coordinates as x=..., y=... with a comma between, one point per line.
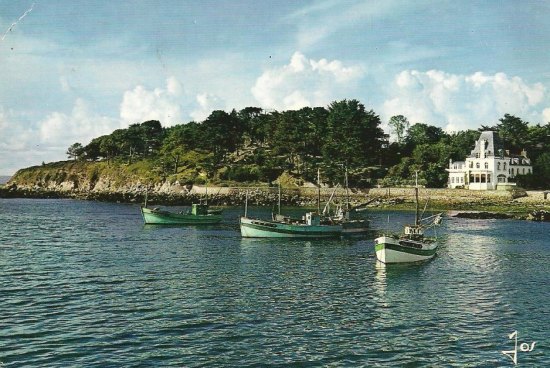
x=74, y=70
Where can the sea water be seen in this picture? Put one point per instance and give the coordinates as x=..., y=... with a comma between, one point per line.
x=86, y=284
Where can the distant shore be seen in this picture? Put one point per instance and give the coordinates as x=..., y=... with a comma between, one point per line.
x=514, y=204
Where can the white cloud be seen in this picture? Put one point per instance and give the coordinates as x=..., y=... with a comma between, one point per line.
x=305, y=82
x=207, y=103
x=458, y=102
x=14, y=137
x=81, y=125
x=162, y=104
x=24, y=143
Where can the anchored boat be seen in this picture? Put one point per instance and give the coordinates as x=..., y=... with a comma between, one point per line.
x=197, y=215
x=412, y=245
x=352, y=222
x=311, y=225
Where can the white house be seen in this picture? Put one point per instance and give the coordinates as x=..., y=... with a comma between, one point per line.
x=488, y=166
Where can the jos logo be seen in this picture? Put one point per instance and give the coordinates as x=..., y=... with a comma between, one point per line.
x=524, y=347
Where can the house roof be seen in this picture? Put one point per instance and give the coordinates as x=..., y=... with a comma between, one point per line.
x=492, y=144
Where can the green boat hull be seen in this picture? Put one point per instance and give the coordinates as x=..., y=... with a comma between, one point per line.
x=254, y=228
x=158, y=217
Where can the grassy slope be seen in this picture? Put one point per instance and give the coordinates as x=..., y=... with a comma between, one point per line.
x=83, y=171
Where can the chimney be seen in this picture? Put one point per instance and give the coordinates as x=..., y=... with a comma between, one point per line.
x=524, y=153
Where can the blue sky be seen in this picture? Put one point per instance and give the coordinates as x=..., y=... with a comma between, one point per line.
x=74, y=70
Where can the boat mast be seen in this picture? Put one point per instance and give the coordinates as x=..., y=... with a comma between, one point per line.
x=206, y=187
x=246, y=203
x=416, y=199
x=347, y=189
x=279, y=203
x=318, y=191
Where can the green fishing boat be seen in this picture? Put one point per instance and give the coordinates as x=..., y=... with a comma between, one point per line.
x=352, y=222
x=198, y=215
x=311, y=225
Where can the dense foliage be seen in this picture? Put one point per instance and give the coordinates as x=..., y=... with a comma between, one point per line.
x=254, y=145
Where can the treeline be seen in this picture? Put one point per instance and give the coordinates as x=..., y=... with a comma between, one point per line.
x=255, y=145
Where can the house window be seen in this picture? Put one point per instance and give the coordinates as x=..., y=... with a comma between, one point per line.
x=498, y=165
x=471, y=164
x=477, y=165
x=504, y=166
x=452, y=180
x=486, y=165
x=477, y=155
x=523, y=170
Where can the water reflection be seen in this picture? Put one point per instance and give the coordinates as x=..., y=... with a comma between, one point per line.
x=189, y=296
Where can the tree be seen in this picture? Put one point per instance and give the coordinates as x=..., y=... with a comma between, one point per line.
x=173, y=155
x=354, y=136
x=430, y=159
x=222, y=133
x=399, y=126
x=107, y=147
x=514, y=132
x=288, y=136
x=421, y=133
x=252, y=123
x=538, y=140
x=541, y=168
x=91, y=150
x=75, y=151
x=152, y=136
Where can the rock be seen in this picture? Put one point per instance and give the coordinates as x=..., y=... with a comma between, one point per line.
x=483, y=215
x=539, y=215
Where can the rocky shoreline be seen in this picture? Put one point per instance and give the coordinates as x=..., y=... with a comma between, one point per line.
x=464, y=204
x=535, y=215
x=232, y=197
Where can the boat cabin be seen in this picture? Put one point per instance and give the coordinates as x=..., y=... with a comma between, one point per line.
x=313, y=219
x=413, y=230
x=199, y=209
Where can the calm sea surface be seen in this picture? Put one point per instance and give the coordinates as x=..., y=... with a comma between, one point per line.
x=86, y=284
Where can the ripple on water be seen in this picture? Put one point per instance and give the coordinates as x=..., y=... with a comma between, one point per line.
x=80, y=289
